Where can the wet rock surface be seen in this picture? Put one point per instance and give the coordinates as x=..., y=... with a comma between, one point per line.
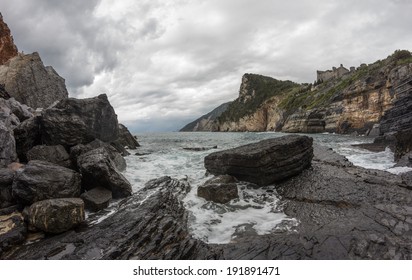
x=126, y=139
x=97, y=199
x=40, y=180
x=54, y=154
x=264, y=162
x=343, y=212
x=220, y=189
x=98, y=170
x=6, y=181
x=12, y=230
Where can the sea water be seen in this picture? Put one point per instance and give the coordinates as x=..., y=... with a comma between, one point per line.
x=257, y=210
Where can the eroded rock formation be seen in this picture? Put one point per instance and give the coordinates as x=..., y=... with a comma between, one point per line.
x=7, y=47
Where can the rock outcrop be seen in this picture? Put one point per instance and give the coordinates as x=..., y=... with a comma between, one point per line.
x=40, y=180
x=207, y=122
x=264, y=162
x=350, y=103
x=56, y=215
x=98, y=170
x=343, y=212
x=7, y=47
x=27, y=80
x=79, y=121
x=126, y=139
x=220, y=189
x=54, y=154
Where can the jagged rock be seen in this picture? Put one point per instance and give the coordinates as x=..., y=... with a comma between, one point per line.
x=12, y=230
x=220, y=189
x=56, y=215
x=7, y=117
x=98, y=169
x=54, y=154
x=79, y=121
x=27, y=135
x=40, y=180
x=118, y=161
x=8, y=146
x=144, y=227
x=27, y=80
x=7, y=47
x=21, y=111
x=6, y=181
x=264, y=162
x=126, y=139
x=97, y=199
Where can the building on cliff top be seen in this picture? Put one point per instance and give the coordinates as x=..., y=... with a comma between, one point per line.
x=333, y=74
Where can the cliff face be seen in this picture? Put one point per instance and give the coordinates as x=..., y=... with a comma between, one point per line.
x=207, y=122
x=30, y=82
x=7, y=47
x=353, y=102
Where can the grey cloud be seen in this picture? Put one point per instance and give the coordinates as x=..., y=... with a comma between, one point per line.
x=164, y=63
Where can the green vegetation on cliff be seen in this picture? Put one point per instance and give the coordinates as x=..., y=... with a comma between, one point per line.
x=254, y=91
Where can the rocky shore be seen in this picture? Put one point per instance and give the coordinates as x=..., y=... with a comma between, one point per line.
x=61, y=156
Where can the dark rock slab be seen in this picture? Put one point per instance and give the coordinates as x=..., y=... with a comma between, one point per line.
x=6, y=181
x=114, y=155
x=12, y=230
x=56, y=215
x=27, y=135
x=264, y=162
x=220, y=189
x=54, y=154
x=98, y=169
x=79, y=121
x=97, y=199
x=126, y=139
x=40, y=180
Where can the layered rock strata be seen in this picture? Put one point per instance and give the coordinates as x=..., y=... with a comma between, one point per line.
x=264, y=162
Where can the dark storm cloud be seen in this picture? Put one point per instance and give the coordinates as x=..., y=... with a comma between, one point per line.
x=163, y=63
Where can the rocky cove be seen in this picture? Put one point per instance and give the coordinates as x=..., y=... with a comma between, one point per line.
x=62, y=157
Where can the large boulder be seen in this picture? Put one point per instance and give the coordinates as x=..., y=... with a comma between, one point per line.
x=98, y=169
x=7, y=117
x=126, y=139
x=117, y=159
x=220, y=189
x=6, y=181
x=7, y=147
x=56, y=215
x=27, y=80
x=264, y=162
x=27, y=135
x=97, y=198
x=54, y=154
x=21, y=111
x=79, y=121
x=40, y=180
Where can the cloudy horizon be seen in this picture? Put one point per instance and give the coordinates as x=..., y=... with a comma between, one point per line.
x=163, y=65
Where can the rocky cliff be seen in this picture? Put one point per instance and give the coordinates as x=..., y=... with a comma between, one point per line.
x=30, y=82
x=7, y=47
x=351, y=103
x=207, y=122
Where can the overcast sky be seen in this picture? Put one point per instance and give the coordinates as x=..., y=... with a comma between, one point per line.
x=165, y=63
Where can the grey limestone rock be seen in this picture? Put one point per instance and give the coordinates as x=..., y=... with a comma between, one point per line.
x=27, y=80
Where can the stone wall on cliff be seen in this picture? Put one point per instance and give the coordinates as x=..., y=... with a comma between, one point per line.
x=7, y=47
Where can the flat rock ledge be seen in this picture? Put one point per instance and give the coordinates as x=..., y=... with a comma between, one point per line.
x=264, y=162
x=343, y=212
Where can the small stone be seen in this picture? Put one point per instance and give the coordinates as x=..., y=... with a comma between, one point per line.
x=97, y=198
